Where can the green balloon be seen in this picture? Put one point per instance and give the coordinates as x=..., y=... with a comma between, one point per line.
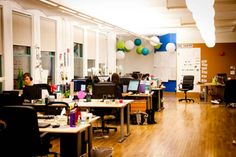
x=120, y=44
x=126, y=50
x=139, y=49
x=158, y=46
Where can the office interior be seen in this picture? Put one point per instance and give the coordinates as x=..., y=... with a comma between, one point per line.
x=57, y=43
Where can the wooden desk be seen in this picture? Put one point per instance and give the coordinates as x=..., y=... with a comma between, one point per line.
x=97, y=103
x=70, y=137
x=148, y=98
x=158, y=92
x=210, y=85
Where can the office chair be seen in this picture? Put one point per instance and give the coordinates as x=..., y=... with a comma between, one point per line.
x=55, y=107
x=229, y=93
x=185, y=86
x=45, y=86
x=19, y=133
x=106, y=116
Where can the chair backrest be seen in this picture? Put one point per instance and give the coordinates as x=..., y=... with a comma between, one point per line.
x=230, y=91
x=188, y=82
x=45, y=86
x=19, y=132
x=55, y=107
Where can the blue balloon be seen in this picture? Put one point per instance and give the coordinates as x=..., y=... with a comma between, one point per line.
x=137, y=42
x=145, y=51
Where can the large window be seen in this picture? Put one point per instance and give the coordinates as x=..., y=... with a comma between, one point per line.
x=78, y=60
x=91, y=67
x=21, y=55
x=48, y=63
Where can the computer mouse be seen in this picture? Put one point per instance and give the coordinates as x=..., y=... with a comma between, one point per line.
x=56, y=125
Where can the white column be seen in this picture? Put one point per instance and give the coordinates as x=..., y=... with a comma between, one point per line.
x=111, y=55
x=7, y=47
x=85, y=53
x=97, y=50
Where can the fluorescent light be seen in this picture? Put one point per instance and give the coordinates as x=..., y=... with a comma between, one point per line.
x=67, y=9
x=50, y=3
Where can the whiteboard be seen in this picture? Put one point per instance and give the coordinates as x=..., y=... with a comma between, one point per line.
x=188, y=63
x=165, y=65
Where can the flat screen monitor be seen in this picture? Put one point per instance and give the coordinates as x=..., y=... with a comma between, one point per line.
x=125, y=80
x=10, y=99
x=10, y=92
x=80, y=85
x=133, y=85
x=32, y=92
x=104, y=91
x=222, y=78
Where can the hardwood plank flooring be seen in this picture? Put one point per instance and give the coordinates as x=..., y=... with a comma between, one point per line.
x=182, y=130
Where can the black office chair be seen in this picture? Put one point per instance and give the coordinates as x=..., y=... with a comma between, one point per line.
x=19, y=133
x=55, y=107
x=230, y=92
x=45, y=86
x=185, y=86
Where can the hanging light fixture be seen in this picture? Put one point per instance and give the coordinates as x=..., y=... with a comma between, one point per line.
x=203, y=14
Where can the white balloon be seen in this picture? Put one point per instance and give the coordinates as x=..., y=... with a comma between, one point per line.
x=129, y=44
x=154, y=41
x=170, y=47
x=120, y=55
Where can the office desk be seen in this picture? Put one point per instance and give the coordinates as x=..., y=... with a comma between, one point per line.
x=211, y=85
x=96, y=103
x=148, y=98
x=158, y=92
x=70, y=137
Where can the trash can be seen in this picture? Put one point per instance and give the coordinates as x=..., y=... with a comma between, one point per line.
x=101, y=152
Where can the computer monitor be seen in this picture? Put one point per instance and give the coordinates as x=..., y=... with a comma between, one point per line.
x=133, y=86
x=7, y=99
x=104, y=91
x=125, y=80
x=80, y=84
x=222, y=78
x=10, y=92
x=32, y=92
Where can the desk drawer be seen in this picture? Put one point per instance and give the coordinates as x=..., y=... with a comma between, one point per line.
x=138, y=105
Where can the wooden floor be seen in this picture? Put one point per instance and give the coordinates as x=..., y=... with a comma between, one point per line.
x=182, y=130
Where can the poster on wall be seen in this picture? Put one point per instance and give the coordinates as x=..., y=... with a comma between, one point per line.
x=188, y=63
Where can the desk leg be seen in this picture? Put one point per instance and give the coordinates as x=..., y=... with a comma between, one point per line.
x=206, y=96
x=90, y=140
x=121, y=125
x=128, y=121
x=159, y=99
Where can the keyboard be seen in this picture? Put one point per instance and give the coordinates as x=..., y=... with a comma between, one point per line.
x=45, y=116
x=43, y=125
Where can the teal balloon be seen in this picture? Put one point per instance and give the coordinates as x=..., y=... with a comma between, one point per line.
x=139, y=50
x=145, y=51
x=137, y=42
x=120, y=45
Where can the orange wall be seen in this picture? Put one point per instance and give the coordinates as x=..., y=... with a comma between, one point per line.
x=216, y=62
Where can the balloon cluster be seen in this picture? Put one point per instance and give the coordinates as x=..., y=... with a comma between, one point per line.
x=140, y=49
x=123, y=47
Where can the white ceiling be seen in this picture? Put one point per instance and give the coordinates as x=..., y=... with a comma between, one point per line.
x=148, y=17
